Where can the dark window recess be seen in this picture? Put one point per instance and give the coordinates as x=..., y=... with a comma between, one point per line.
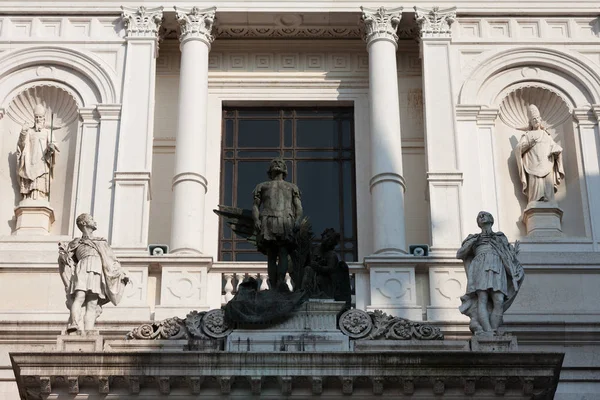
x=318, y=147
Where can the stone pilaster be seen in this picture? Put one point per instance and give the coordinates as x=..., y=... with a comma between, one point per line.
x=445, y=179
x=134, y=164
x=189, y=181
x=387, y=184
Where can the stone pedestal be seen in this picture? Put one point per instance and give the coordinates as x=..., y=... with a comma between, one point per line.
x=34, y=218
x=91, y=341
x=502, y=343
x=543, y=219
x=312, y=328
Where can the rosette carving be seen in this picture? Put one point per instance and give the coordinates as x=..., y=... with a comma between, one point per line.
x=214, y=324
x=355, y=323
x=377, y=325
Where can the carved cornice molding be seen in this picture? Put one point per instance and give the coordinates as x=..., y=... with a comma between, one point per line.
x=300, y=32
x=381, y=23
x=142, y=22
x=435, y=23
x=196, y=23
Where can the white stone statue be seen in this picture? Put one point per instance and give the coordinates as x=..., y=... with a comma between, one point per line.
x=539, y=160
x=92, y=276
x=35, y=157
x=494, y=276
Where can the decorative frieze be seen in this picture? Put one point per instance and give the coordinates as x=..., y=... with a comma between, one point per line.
x=142, y=21
x=381, y=23
x=435, y=22
x=549, y=29
x=378, y=325
x=196, y=23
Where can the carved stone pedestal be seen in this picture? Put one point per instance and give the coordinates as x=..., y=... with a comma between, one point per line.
x=90, y=341
x=543, y=219
x=312, y=327
x=34, y=218
x=501, y=344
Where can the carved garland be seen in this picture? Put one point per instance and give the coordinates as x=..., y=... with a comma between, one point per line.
x=196, y=325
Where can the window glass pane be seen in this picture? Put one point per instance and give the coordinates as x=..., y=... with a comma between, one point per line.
x=348, y=198
x=256, y=256
x=315, y=112
x=319, y=183
x=259, y=154
x=287, y=133
x=258, y=133
x=249, y=174
x=253, y=112
x=229, y=133
x=226, y=256
x=225, y=230
x=317, y=154
x=316, y=133
x=228, y=183
x=346, y=133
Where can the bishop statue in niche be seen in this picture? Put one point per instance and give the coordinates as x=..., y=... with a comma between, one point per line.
x=539, y=160
x=35, y=157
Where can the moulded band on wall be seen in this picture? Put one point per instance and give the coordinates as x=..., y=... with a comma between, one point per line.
x=190, y=176
x=387, y=177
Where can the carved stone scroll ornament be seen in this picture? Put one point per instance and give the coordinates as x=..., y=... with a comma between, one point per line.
x=381, y=23
x=196, y=23
x=142, y=21
x=377, y=325
x=435, y=23
x=196, y=325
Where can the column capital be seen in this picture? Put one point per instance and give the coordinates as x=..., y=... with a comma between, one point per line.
x=196, y=23
x=435, y=23
x=381, y=23
x=142, y=22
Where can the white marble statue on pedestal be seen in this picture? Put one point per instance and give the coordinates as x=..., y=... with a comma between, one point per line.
x=494, y=276
x=35, y=157
x=539, y=160
x=92, y=276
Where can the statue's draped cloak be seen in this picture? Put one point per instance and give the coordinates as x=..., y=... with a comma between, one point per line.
x=33, y=161
x=498, y=244
x=540, y=158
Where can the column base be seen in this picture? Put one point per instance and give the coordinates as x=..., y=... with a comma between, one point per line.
x=543, y=219
x=34, y=217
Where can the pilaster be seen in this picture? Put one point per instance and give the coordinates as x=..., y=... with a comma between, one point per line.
x=134, y=161
x=86, y=161
x=189, y=181
x=443, y=174
x=589, y=143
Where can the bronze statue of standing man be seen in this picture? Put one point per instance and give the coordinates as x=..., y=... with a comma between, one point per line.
x=277, y=212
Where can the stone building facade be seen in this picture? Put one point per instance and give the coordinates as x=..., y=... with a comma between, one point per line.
x=164, y=112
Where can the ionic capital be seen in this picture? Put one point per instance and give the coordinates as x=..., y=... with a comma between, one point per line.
x=196, y=23
x=381, y=23
x=435, y=23
x=142, y=21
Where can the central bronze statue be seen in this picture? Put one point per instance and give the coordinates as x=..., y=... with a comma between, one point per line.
x=277, y=213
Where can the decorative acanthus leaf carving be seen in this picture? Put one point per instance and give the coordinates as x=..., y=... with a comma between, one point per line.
x=435, y=22
x=196, y=325
x=377, y=325
x=142, y=21
x=381, y=23
x=196, y=23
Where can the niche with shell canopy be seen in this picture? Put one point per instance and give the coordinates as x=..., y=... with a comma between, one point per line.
x=62, y=112
x=557, y=119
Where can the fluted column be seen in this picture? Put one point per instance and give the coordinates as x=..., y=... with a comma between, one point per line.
x=189, y=181
x=387, y=184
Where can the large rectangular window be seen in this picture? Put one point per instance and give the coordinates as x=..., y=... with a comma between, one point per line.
x=318, y=147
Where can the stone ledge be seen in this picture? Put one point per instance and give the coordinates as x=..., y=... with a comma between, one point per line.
x=454, y=373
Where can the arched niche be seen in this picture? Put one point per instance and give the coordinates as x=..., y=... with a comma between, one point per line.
x=62, y=113
x=511, y=124
x=66, y=80
x=558, y=82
